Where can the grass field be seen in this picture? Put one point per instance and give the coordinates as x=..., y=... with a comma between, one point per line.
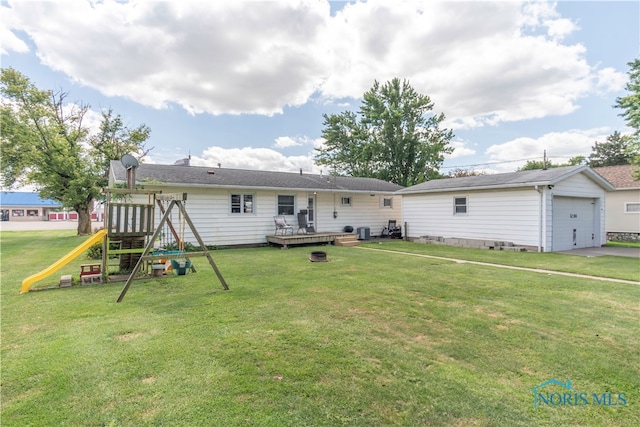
x=370, y=338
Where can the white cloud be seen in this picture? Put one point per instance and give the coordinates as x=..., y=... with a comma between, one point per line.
x=11, y=43
x=559, y=147
x=286, y=142
x=559, y=28
x=481, y=62
x=255, y=159
x=460, y=149
x=610, y=80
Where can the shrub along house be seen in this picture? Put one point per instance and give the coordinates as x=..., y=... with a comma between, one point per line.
x=237, y=207
x=549, y=210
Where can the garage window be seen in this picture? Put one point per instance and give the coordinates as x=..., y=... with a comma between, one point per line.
x=632, y=207
x=460, y=205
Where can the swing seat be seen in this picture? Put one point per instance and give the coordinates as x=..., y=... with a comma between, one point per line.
x=180, y=267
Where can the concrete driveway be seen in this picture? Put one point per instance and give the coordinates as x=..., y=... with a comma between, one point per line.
x=602, y=251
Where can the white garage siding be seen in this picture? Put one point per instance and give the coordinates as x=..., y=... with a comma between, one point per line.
x=516, y=207
x=510, y=215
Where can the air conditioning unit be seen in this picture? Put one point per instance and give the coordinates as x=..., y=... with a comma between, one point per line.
x=364, y=233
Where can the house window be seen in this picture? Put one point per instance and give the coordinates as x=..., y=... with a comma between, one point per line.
x=345, y=201
x=242, y=203
x=286, y=204
x=386, y=202
x=632, y=207
x=459, y=205
x=17, y=212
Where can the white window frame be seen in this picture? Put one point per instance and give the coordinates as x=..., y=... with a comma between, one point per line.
x=635, y=210
x=345, y=201
x=384, y=204
x=244, y=208
x=293, y=206
x=457, y=205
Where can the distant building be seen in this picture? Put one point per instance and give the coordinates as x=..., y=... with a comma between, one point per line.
x=25, y=206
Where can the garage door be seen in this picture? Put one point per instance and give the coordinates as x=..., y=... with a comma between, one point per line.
x=573, y=223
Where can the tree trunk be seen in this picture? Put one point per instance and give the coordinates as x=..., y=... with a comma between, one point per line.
x=84, y=220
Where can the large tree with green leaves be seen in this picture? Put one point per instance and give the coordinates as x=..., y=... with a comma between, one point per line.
x=45, y=142
x=613, y=152
x=630, y=105
x=395, y=136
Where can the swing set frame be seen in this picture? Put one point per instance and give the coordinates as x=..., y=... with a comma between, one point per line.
x=147, y=253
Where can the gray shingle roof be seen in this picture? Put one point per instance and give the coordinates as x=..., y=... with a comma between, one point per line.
x=506, y=180
x=172, y=175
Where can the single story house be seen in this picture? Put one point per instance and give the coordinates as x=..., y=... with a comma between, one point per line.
x=25, y=206
x=623, y=204
x=549, y=210
x=237, y=207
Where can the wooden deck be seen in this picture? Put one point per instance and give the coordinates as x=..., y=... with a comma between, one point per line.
x=305, y=239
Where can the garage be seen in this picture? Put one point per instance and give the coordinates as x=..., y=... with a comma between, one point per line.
x=555, y=209
x=574, y=224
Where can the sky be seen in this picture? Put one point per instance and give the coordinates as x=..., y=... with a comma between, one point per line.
x=245, y=84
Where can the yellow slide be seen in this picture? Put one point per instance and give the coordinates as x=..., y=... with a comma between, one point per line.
x=29, y=281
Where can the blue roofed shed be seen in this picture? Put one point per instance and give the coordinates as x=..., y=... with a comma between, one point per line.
x=25, y=206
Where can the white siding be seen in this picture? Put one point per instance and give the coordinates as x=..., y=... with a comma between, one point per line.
x=618, y=220
x=524, y=216
x=510, y=215
x=365, y=211
x=210, y=211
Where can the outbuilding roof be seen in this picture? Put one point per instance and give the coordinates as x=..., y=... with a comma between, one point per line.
x=199, y=176
x=26, y=199
x=620, y=176
x=506, y=180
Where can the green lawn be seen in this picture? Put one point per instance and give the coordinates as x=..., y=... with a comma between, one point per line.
x=370, y=338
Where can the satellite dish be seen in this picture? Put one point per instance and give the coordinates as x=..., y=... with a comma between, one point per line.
x=128, y=161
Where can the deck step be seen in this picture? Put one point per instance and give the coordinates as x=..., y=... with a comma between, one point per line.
x=346, y=241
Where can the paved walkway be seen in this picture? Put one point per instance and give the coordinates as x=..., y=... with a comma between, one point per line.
x=509, y=267
x=605, y=250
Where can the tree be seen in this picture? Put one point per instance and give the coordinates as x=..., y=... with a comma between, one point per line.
x=613, y=152
x=538, y=164
x=461, y=173
x=394, y=136
x=45, y=143
x=548, y=164
x=630, y=105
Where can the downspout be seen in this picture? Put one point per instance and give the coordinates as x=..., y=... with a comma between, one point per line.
x=539, y=219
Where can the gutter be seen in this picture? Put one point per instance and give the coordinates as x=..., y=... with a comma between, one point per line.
x=540, y=212
x=227, y=187
x=474, y=188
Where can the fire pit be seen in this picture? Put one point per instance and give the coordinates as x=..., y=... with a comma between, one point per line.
x=318, y=256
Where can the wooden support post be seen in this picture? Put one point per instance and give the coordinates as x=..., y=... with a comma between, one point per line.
x=203, y=247
x=149, y=246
